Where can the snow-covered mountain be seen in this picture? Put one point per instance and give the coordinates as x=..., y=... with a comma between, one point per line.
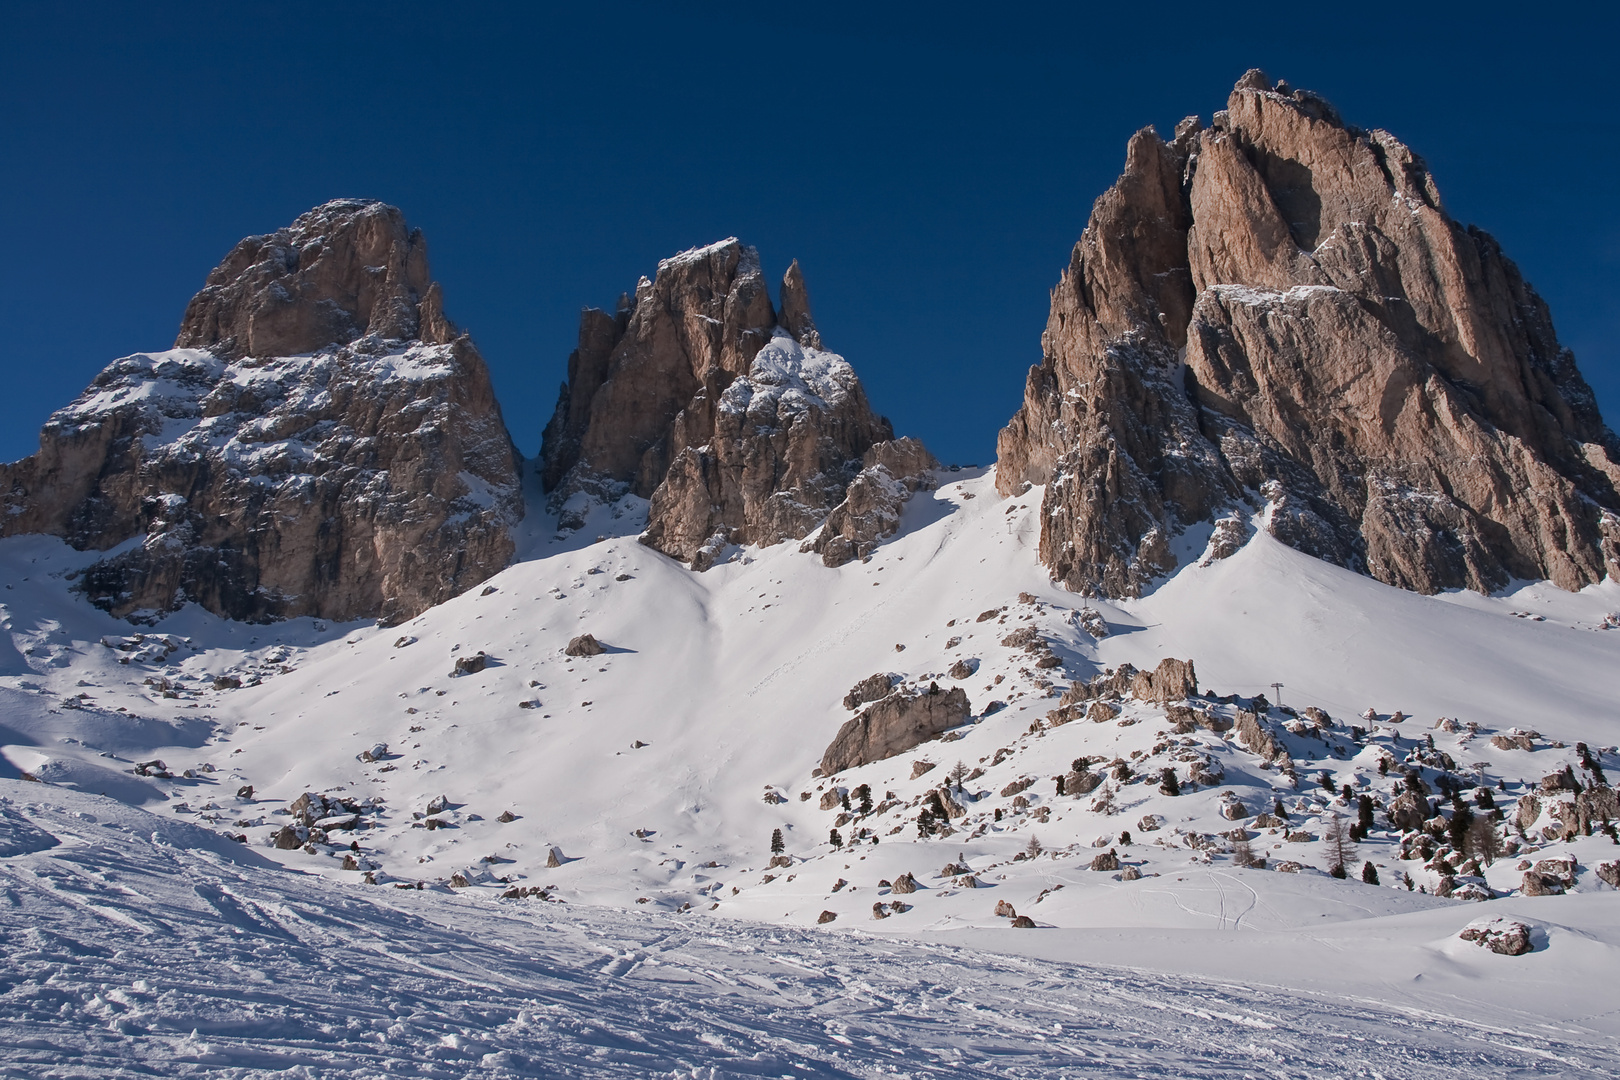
x=854, y=788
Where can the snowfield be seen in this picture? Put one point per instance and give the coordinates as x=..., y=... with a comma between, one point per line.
x=532, y=863
x=138, y=946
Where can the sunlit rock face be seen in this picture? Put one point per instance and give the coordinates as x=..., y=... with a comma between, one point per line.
x=1277, y=311
x=320, y=441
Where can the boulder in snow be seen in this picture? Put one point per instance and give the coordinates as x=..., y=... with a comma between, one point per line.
x=1499, y=935
x=470, y=665
x=584, y=645
x=895, y=725
x=870, y=689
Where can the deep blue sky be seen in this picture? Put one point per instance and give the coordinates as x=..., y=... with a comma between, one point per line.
x=929, y=167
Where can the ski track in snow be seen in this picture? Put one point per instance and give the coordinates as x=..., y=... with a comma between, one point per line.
x=129, y=952
x=138, y=944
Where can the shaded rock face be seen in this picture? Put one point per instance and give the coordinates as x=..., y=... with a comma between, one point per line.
x=729, y=417
x=894, y=725
x=320, y=441
x=1277, y=312
x=891, y=473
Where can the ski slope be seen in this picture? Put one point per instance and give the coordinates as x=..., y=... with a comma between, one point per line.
x=139, y=946
x=654, y=774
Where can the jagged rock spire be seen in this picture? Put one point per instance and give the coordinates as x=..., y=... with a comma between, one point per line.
x=729, y=417
x=1277, y=311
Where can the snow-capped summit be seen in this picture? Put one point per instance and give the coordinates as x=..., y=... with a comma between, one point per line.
x=735, y=422
x=320, y=441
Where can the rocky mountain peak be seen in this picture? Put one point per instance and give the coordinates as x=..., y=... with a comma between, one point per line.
x=319, y=442
x=347, y=269
x=729, y=416
x=1275, y=315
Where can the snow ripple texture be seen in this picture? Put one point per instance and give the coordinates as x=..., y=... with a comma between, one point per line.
x=138, y=946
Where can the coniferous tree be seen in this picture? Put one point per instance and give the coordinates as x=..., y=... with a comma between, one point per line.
x=778, y=845
x=1364, y=813
x=1337, y=845
x=1369, y=873
x=1168, y=782
x=1483, y=841
x=925, y=822
x=1462, y=819
x=835, y=839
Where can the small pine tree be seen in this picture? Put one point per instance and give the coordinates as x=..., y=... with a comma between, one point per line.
x=835, y=839
x=1080, y=765
x=1033, y=848
x=1348, y=792
x=843, y=799
x=864, y=794
x=1383, y=766
x=959, y=774
x=1338, y=871
x=1462, y=820
x=1337, y=845
x=1104, y=802
x=1406, y=879
x=1279, y=809
x=778, y=845
x=1327, y=781
x=925, y=822
x=1168, y=782
x=1483, y=840
x=1369, y=873
x=1364, y=814
x=1243, y=854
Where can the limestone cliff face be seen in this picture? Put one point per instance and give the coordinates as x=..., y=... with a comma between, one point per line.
x=732, y=420
x=1278, y=310
x=320, y=441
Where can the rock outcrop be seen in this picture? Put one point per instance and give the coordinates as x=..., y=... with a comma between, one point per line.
x=892, y=472
x=729, y=417
x=1277, y=313
x=900, y=721
x=1172, y=680
x=320, y=441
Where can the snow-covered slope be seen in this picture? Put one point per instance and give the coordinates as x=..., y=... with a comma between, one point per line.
x=654, y=774
x=135, y=945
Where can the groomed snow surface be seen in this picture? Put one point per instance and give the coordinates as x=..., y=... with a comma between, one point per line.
x=138, y=946
x=664, y=944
